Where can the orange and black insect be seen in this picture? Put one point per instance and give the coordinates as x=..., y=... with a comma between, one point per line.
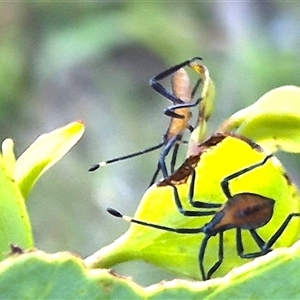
x=182, y=96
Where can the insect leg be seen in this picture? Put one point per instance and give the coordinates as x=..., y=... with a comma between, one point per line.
x=169, y=111
x=198, y=204
x=201, y=256
x=259, y=241
x=202, y=250
x=154, y=177
x=165, y=152
x=161, y=162
x=174, y=155
x=193, y=213
x=280, y=230
x=264, y=246
x=225, y=181
x=218, y=263
x=160, y=89
x=195, y=88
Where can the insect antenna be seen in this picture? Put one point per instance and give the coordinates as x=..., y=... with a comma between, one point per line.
x=127, y=156
x=117, y=214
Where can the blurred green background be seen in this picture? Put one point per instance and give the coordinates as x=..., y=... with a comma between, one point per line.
x=60, y=62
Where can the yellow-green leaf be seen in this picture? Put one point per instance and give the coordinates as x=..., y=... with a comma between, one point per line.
x=273, y=121
x=273, y=276
x=43, y=153
x=178, y=253
x=258, y=279
x=63, y=276
x=206, y=107
x=9, y=155
x=15, y=225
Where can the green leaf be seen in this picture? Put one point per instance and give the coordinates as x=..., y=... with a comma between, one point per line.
x=14, y=221
x=63, y=276
x=273, y=276
x=178, y=252
x=37, y=275
x=9, y=155
x=18, y=177
x=273, y=121
x=43, y=153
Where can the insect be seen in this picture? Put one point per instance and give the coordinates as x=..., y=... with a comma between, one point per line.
x=182, y=97
x=231, y=184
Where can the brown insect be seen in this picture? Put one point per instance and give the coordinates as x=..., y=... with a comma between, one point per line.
x=182, y=96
